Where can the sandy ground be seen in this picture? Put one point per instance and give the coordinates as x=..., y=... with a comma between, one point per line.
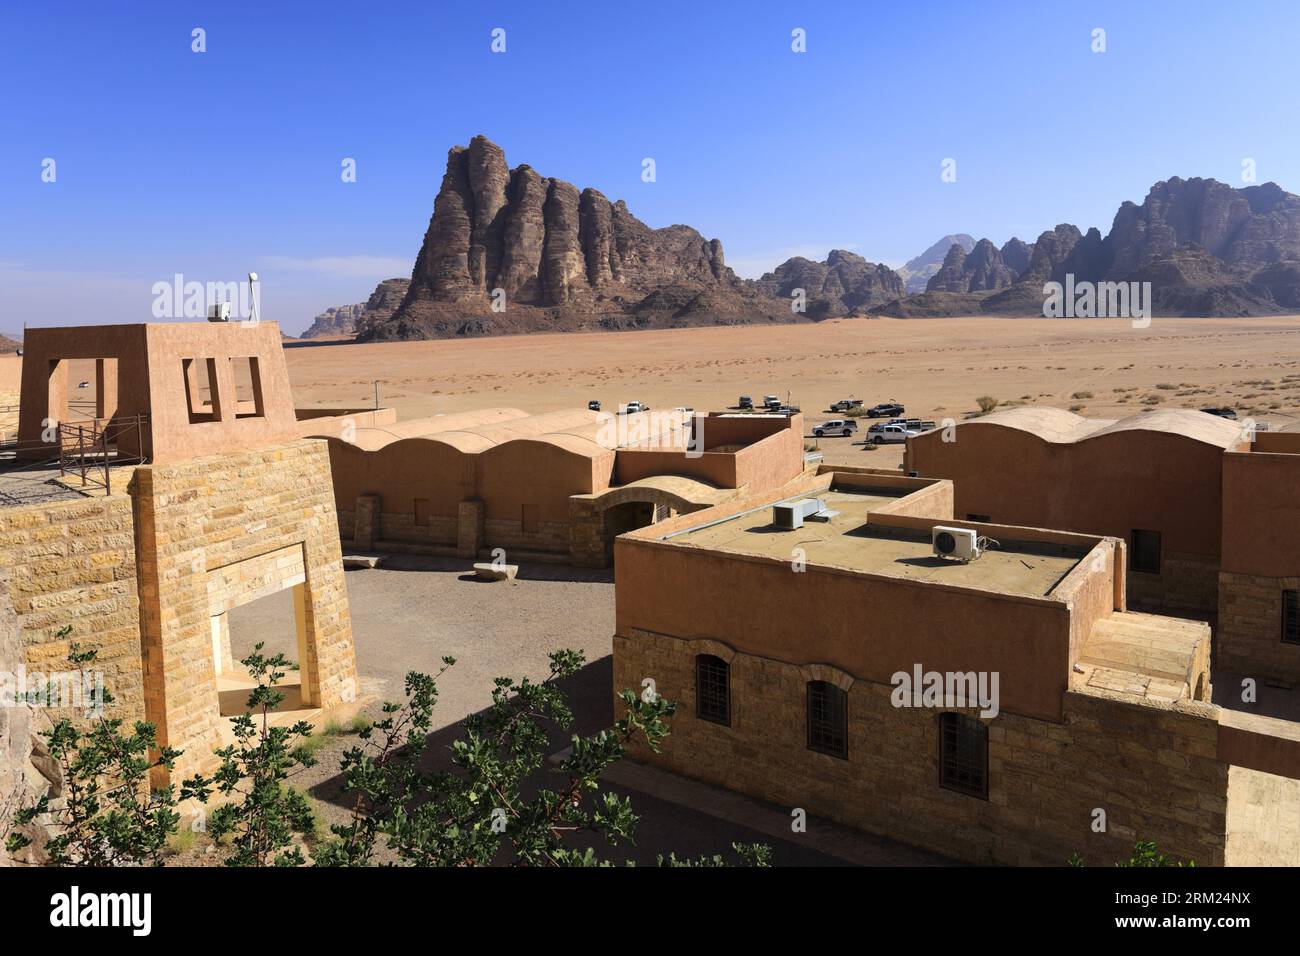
x=936, y=367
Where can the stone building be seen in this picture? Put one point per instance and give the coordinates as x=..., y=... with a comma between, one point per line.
x=1207, y=508
x=557, y=487
x=804, y=661
x=230, y=504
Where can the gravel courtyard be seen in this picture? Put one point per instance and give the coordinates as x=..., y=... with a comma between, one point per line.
x=412, y=611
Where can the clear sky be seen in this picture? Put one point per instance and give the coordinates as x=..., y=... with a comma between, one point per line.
x=217, y=163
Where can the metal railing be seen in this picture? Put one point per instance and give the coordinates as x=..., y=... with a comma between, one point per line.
x=92, y=448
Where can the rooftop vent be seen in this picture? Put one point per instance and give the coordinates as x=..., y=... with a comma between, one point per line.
x=789, y=515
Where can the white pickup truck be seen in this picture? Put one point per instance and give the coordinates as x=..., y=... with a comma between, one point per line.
x=890, y=434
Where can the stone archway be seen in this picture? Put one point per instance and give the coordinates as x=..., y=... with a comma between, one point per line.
x=596, y=520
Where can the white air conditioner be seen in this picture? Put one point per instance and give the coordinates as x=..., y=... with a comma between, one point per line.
x=219, y=312
x=960, y=543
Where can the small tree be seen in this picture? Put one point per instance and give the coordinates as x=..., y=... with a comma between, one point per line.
x=108, y=815
x=263, y=813
x=485, y=810
x=1145, y=853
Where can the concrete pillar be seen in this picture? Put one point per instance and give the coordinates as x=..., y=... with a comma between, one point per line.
x=469, y=529
x=364, y=521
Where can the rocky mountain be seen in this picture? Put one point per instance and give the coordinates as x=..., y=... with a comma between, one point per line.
x=1207, y=248
x=982, y=269
x=916, y=272
x=9, y=345
x=351, y=319
x=845, y=284
x=339, y=320
x=508, y=250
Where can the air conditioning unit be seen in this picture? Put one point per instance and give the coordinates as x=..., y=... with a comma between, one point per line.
x=959, y=543
x=789, y=515
x=219, y=312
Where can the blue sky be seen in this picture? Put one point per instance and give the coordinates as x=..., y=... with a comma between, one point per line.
x=213, y=164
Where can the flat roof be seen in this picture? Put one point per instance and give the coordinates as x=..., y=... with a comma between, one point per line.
x=849, y=540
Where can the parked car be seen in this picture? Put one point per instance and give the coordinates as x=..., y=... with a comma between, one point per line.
x=633, y=407
x=745, y=402
x=1221, y=412
x=916, y=424
x=83, y=384
x=786, y=410
x=836, y=426
x=771, y=401
x=885, y=410
x=846, y=404
x=892, y=434
x=593, y=405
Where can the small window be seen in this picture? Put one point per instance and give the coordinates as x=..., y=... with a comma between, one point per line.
x=248, y=388
x=1291, y=617
x=202, y=398
x=712, y=689
x=828, y=719
x=529, y=520
x=964, y=755
x=985, y=519
x=1144, y=551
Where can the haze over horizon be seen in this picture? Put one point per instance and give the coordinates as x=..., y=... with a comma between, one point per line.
x=213, y=164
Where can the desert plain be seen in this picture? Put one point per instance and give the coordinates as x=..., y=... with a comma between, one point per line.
x=936, y=367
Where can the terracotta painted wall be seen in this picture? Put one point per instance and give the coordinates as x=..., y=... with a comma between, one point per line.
x=763, y=607
x=1261, y=514
x=1107, y=485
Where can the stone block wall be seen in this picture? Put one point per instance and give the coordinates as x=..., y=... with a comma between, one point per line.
x=1186, y=582
x=549, y=537
x=441, y=531
x=206, y=514
x=1153, y=770
x=74, y=563
x=1249, y=638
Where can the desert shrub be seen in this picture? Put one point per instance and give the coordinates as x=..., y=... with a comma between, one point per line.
x=986, y=404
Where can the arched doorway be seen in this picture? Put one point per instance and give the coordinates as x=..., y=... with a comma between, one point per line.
x=598, y=519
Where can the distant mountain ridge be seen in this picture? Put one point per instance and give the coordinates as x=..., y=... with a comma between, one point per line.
x=1207, y=248
x=560, y=259
x=917, y=271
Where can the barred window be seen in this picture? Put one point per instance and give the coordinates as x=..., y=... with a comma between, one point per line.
x=1144, y=553
x=964, y=755
x=828, y=719
x=1291, y=617
x=712, y=689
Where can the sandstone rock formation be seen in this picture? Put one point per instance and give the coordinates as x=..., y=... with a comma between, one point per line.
x=553, y=257
x=917, y=271
x=1207, y=248
x=982, y=269
x=845, y=284
x=351, y=319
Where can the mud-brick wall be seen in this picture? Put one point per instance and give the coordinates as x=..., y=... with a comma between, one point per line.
x=1153, y=771
x=72, y=563
x=208, y=513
